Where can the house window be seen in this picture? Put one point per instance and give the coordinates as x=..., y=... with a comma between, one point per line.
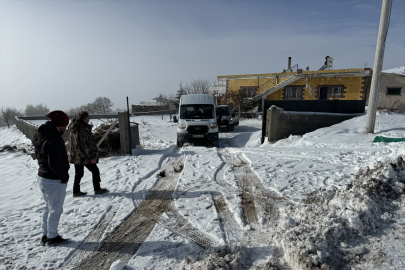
x=249, y=91
x=293, y=92
x=394, y=91
x=336, y=91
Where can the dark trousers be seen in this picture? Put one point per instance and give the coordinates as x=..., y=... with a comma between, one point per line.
x=79, y=172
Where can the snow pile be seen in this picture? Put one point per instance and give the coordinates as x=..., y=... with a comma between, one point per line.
x=12, y=139
x=398, y=70
x=317, y=233
x=118, y=265
x=216, y=258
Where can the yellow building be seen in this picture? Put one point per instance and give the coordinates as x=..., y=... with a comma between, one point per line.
x=344, y=84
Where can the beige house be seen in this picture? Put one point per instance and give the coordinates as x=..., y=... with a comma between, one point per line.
x=391, y=94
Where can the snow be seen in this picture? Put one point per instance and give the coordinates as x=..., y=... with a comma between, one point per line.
x=329, y=210
x=398, y=70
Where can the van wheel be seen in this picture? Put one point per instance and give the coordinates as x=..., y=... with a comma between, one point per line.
x=179, y=144
x=236, y=124
x=215, y=144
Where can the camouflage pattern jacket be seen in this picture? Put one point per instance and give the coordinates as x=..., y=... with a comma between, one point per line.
x=82, y=146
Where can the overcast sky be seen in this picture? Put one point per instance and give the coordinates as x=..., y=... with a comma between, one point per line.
x=66, y=53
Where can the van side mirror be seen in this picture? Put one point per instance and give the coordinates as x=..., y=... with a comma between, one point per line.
x=175, y=119
x=233, y=114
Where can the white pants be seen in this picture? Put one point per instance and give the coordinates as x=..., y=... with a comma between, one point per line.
x=54, y=193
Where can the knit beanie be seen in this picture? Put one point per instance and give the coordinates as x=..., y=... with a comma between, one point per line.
x=58, y=118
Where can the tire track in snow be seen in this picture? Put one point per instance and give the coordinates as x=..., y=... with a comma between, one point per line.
x=256, y=201
x=129, y=236
x=178, y=224
x=233, y=232
x=92, y=241
x=243, y=174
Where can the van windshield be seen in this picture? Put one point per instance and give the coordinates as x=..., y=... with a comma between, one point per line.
x=197, y=111
x=222, y=110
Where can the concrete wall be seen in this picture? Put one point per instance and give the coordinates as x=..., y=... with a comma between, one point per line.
x=92, y=116
x=147, y=108
x=154, y=112
x=280, y=125
x=100, y=116
x=391, y=102
x=29, y=129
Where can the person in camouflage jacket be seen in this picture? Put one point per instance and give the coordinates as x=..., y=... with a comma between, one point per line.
x=83, y=153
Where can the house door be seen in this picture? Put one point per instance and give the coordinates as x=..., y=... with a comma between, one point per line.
x=323, y=93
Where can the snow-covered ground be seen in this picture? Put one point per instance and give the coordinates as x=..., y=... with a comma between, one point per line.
x=304, y=202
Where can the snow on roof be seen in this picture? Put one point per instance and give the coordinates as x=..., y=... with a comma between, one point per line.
x=398, y=70
x=148, y=102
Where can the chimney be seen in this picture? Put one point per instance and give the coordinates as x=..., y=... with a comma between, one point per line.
x=289, y=65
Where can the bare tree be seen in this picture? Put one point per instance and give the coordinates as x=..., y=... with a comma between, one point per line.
x=179, y=93
x=240, y=97
x=166, y=101
x=8, y=115
x=102, y=105
x=199, y=86
x=89, y=107
x=32, y=110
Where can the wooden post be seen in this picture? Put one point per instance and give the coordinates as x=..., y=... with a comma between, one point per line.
x=124, y=133
x=129, y=129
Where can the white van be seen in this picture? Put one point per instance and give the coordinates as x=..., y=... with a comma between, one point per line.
x=197, y=120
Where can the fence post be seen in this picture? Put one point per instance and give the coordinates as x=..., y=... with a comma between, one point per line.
x=124, y=133
x=273, y=115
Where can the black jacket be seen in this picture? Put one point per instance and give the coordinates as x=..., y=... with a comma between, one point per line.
x=51, y=153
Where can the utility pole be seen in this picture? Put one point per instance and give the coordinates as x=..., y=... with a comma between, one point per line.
x=378, y=60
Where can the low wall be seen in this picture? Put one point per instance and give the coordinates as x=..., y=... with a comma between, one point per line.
x=154, y=112
x=92, y=116
x=280, y=125
x=147, y=108
x=101, y=116
x=28, y=129
x=25, y=127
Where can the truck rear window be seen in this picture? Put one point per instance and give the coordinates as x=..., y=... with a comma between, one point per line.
x=197, y=111
x=222, y=110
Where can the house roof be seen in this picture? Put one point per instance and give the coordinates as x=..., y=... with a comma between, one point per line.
x=398, y=70
x=354, y=72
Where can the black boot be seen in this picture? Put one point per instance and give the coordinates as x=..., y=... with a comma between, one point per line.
x=56, y=241
x=100, y=191
x=44, y=240
x=79, y=194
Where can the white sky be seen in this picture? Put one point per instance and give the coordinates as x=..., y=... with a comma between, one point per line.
x=66, y=53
